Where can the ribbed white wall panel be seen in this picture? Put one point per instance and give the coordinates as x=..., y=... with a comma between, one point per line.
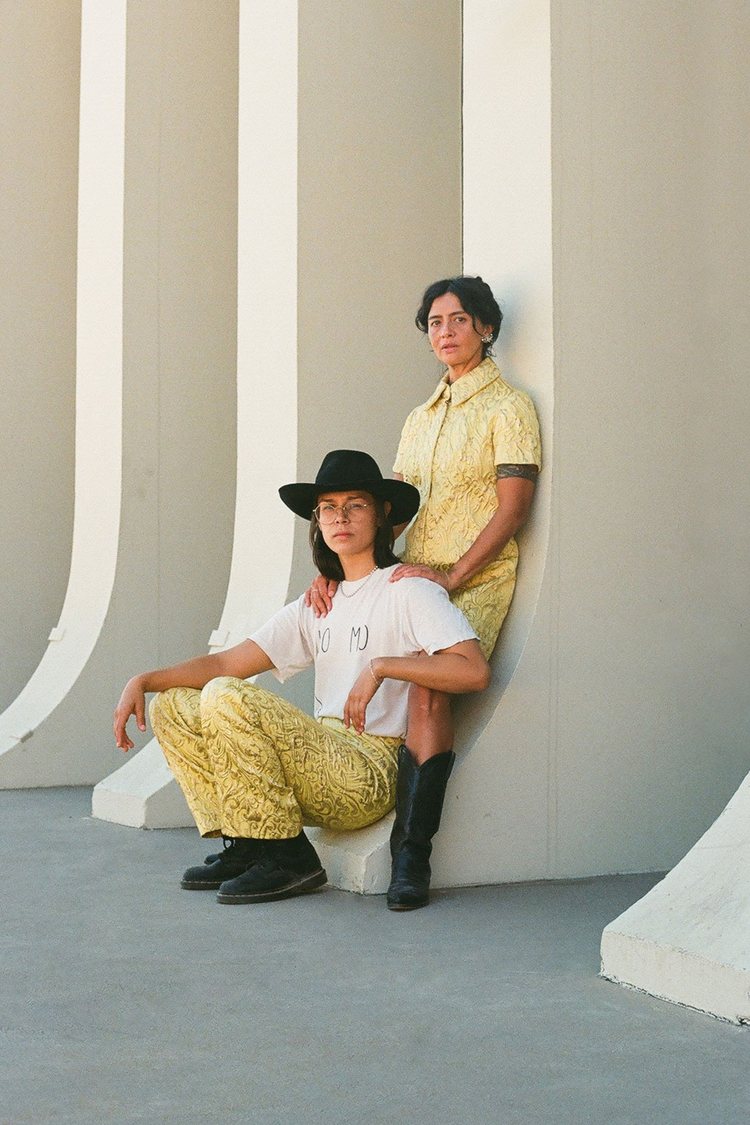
x=142, y=792
x=98, y=399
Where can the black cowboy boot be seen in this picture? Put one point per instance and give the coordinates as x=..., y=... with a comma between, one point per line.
x=419, y=802
x=285, y=868
x=239, y=852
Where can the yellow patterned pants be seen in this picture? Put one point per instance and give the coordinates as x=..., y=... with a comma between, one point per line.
x=252, y=764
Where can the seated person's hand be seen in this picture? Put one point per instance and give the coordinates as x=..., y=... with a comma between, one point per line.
x=320, y=595
x=132, y=702
x=355, y=708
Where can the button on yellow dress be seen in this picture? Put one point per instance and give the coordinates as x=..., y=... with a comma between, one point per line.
x=449, y=449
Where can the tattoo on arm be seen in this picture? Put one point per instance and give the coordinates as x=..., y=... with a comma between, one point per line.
x=528, y=472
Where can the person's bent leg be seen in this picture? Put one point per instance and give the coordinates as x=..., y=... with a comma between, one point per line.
x=424, y=766
x=176, y=721
x=275, y=769
x=430, y=729
x=426, y=761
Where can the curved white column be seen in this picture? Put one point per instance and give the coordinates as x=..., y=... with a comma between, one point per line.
x=155, y=402
x=267, y=317
x=40, y=45
x=501, y=780
x=142, y=793
x=687, y=939
x=98, y=391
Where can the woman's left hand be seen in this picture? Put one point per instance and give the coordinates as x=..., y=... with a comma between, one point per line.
x=355, y=708
x=416, y=570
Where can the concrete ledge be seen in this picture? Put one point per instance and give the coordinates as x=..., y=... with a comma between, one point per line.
x=142, y=794
x=687, y=939
x=356, y=861
x=677, y=975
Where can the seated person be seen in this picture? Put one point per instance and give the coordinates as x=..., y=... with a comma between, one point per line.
x=254, y=769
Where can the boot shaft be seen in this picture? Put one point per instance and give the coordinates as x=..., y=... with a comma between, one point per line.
x=420, y=792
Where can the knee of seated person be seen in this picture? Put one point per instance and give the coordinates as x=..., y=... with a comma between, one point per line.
x=219, y=690
x=162, y=706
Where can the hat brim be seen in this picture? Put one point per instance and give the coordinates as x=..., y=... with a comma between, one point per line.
x=403, y=497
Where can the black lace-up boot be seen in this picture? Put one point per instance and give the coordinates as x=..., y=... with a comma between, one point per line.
x=285, y=868
x=238, y=854
x=420, y=791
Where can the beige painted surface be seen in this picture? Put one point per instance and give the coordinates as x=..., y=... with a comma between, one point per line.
x=39, y=81
x=98, y=328
x=266, y=317
x=623, y=730
x=330, y=277
x=374, y=141
x=142, y=792
x=616, y=729
x=494, y=825
x=379, y=213
x=180, y=312
x=164, y=482
x=687, y=939
x=652, y=544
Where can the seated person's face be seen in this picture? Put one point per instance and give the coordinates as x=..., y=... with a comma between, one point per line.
x=348, y=521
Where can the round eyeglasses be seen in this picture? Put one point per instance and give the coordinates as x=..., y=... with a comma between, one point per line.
x=326, y=512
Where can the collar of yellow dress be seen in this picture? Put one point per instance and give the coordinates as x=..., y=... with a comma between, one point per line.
x=483, y=374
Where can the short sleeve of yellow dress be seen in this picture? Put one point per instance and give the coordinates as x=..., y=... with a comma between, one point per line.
x=449, y=449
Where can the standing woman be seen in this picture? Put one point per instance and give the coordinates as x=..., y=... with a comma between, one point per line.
x=473, y=451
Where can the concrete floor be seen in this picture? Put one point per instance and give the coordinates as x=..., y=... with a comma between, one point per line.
x=125, y=999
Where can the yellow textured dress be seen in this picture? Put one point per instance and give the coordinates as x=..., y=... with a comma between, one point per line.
x=450, y=448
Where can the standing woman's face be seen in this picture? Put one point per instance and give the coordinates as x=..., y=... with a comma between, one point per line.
x=455, y=339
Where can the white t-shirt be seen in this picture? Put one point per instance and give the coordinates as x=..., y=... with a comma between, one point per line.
x=370, y=617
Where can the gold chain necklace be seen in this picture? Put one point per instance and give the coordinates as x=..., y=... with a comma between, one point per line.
x=363, y=582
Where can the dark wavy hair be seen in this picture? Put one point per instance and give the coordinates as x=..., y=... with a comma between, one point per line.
x=328, y=562
x=476, y=297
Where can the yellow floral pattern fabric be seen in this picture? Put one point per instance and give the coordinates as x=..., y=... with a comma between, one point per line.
x=252, y=764
x=450, y=448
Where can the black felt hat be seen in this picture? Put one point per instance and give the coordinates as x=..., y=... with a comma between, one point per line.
x=349, y=470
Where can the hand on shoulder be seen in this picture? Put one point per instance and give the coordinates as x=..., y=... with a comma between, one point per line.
x=419, y=570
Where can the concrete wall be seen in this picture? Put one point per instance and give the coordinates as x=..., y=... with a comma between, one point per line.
x=495, y=825
x=604, y=200
x=39, y=84
x=651, y=549
x=379, y=127
x=621, y=727
x=372, y=144
x=156, y=340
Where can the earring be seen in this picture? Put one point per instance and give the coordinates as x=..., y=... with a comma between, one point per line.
x=487, y=338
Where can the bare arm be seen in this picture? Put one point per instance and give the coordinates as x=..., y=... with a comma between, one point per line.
x=458, y=669
x=243, y=660
x=514, y=496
